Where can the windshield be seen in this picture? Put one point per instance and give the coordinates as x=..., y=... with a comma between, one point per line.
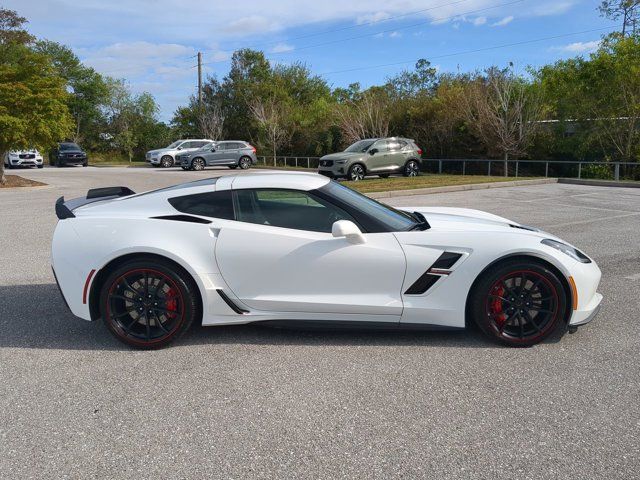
x=393, y=219
x=175, y=144
x=69, y=146
x=360, y=146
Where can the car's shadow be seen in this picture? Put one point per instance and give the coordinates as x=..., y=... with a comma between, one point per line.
x=35, y=316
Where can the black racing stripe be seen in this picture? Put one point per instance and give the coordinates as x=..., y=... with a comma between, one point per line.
x=424, y=283
x=446, y=260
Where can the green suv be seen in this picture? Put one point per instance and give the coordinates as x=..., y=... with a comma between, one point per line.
x=373, y=156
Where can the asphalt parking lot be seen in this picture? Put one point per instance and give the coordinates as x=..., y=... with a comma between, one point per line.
x=250, y=402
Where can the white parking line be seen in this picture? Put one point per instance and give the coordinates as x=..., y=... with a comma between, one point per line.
x=635, y=276
x=580, y=222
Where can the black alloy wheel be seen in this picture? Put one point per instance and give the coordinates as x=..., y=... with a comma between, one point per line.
x=411, y=169
x=148, y=304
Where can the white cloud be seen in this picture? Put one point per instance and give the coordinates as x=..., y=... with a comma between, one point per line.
x=372, y=17
x=395, y=34
x=503, y=22
x=282, y=48
x=579, y=47
x=480, y=21
x=252, y=24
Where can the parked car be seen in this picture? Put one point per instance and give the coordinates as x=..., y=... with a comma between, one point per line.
x=297, y=248
x=229, y=153
x=68, y=153
x=23, y=158
x=166, y=157
x=373, y=156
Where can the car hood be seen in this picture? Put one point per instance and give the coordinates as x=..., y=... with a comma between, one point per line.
x=72, y=151
x=342, y=156
x=161, y=150
x=467, y=219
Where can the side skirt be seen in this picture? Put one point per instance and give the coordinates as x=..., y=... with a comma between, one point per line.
x=351, y=325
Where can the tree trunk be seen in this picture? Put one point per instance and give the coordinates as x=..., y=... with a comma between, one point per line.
x=506, y=164
x=2, y=179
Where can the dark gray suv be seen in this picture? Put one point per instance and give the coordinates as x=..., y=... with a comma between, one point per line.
x=373, y=156
x=229, y=153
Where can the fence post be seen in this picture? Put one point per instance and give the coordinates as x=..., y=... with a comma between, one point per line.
x=308, y=163
x=464, y=167
x=579, y=170
x=516, y=169
x=296, y=162
x=439, y=166
x=546, y=169
x=616, y=174
x=489, y=169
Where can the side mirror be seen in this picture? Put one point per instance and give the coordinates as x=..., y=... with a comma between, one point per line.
x=179, y=148
x=349, y=230
x=373, y=151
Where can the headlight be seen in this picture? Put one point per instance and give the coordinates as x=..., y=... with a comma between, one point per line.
x=567, y=249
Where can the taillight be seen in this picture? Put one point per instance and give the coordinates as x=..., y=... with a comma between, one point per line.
x=419, y=151
x=253, y=148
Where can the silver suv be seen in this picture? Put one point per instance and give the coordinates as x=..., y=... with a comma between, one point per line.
x=229, y=153
x=373, y=156
x=165, y=157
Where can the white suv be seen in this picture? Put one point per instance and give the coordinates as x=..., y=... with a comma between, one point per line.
x=23, y=158
x=165, y=157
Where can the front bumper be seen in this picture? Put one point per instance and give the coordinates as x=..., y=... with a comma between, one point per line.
x=587, y=279
x=588, y=313
x=334, y=171
x=25, y=162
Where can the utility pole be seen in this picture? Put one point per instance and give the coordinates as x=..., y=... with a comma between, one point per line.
x=200, y=79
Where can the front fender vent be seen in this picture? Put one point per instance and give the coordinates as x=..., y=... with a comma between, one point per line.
x=183, y=218
x=440, y=267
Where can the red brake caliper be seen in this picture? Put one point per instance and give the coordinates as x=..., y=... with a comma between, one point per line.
x=496, y=306
x=171, y=302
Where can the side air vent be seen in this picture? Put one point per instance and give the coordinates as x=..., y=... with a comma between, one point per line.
x=182, y=218
x=441, y=267
x=231, y=303
x=524, y=227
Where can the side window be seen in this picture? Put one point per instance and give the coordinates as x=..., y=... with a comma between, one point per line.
x=186, y=145
x=221, y=146
x=381, y=146
x=209, y=204
x=198, y=144
x=287, y=209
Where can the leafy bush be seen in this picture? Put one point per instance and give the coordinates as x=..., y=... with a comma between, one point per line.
x=601, y=172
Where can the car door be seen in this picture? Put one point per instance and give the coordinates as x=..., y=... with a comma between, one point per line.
x=218, y=156
x=279, y=256
x=378, y=161
x=396, y=157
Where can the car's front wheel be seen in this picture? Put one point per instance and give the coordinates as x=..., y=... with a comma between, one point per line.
x=356, y=172
x=197, y=164
x=519, y=302
x=148, y=303
x=166, y=161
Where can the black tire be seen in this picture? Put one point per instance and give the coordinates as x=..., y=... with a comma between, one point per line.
x=85, y=164
x=166, y=161
x=233, y=167
x=244, y=163
x=411, y=169
x=170, y=299
x=198, y=164
x=40, y=166
x=9, y=166
x=154, y=165
x=59, y=164
x=356, y=172
x=519, y=302
x=384, y=175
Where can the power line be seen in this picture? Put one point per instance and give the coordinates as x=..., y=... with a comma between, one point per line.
x=442, y=19
x=476, y=50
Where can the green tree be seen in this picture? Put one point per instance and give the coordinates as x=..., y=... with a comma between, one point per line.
x=88, y=90
x=33, y=101
x=12, y=28
x=628, y=10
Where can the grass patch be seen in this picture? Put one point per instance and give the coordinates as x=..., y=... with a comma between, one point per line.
x=424, y=181
x=109, y=159
x=13, y=181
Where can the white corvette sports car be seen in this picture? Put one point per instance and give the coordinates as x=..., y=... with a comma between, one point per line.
x=278, y=248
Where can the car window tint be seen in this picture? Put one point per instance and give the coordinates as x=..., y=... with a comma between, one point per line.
x=186, y=145
x=221, y=146
x=288, y=209
x=381, y=145
x=209, y=204
x=199, y=144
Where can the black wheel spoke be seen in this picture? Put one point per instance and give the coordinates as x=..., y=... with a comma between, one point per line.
x=521, y=325
x=160, y=323
x=166, y=310
x=148, y=326
x=501, y=298
x=532, y=321
x=159, y=288
x=135, y=320
x=121, y=297
x=122, y=314
x=128, y=286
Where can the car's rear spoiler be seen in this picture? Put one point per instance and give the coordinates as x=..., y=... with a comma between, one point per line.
x=64, y=209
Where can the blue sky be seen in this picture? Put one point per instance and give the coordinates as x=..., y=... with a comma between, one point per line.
x=152, y=43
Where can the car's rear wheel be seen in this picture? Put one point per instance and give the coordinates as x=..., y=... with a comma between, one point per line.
x=411, y=169
x=197, y=164
x=356, y=172
x=244, y=163
x=519, y=302
x=166, y=161
x=148, y=304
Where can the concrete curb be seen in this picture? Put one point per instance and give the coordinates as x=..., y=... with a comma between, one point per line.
x=460, y=188
x=599, y=183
